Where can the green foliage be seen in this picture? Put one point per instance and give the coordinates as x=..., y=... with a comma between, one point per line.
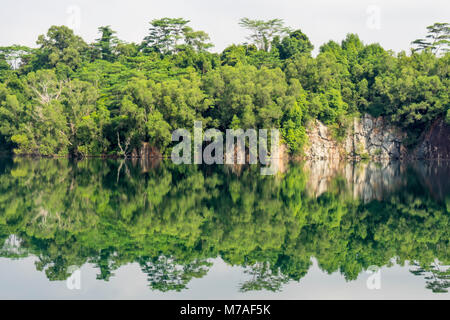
x=68, y=97
x=296, y=43
x=293, y=129
x=414, y=92
x=437, y=40
x=60, y=46
x=166, y=34
x=106, y=46
x=263, y=32
x=256, y=96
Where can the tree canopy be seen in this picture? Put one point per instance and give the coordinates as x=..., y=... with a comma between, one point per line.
x=71, y=98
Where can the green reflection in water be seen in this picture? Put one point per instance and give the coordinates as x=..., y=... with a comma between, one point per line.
x=173, y=220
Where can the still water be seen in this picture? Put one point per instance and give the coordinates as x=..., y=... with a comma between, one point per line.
x=112, y=229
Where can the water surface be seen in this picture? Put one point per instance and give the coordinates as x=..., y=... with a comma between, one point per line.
x=315, y=230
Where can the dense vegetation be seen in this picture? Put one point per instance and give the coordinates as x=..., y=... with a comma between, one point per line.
x=172, y=220
x=68, y=97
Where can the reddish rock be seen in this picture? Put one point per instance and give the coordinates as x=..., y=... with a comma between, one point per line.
x=435, y=143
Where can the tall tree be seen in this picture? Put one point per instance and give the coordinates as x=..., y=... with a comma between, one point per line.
x=14, y=56
x=60, y=46
x=263, y=32
x=297, y=42
x=106, y=43
x=199, y=40
x=165, y=35
x=437, y=40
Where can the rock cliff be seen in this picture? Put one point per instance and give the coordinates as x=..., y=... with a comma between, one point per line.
x=146, y=151
x=435, y=142
x=368, y=137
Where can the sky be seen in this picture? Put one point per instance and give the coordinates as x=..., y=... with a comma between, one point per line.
x=392, y=23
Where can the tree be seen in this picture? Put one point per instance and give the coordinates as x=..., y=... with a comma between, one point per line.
x=293, y=124
x=197, y=39
x=255, y=97
x=4, y=65
x=85, y=118
x=106, y=44
x=233, y=55
x=14, y=56
x=60, y=46
x=411, y=94
x=42, y=129
x=11, y=115
x=263, y=32
x=296, y=43
x=437, y=40
x=165, y=35
x=170, y=35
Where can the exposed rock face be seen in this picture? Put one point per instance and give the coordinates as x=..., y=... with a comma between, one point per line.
x=321, y=145
x=368, y=137
x=377, y=139
x=435, y=142
x=146, y=151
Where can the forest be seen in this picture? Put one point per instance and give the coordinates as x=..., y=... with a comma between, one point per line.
x=69, y=98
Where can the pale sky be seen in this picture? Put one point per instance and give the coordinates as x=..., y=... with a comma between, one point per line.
x=392, y=23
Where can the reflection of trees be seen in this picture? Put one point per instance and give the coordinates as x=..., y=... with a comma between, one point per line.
x=172, y=219
x=437, y=276
x=165, y=274
x=12, y=247
x=263, y=278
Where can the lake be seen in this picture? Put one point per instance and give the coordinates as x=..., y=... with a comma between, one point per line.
x=134, y=229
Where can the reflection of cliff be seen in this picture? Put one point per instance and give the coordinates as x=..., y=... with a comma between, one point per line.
x=435, y=176
x=364, y=181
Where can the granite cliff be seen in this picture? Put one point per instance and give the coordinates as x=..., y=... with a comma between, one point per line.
x=376, y=139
